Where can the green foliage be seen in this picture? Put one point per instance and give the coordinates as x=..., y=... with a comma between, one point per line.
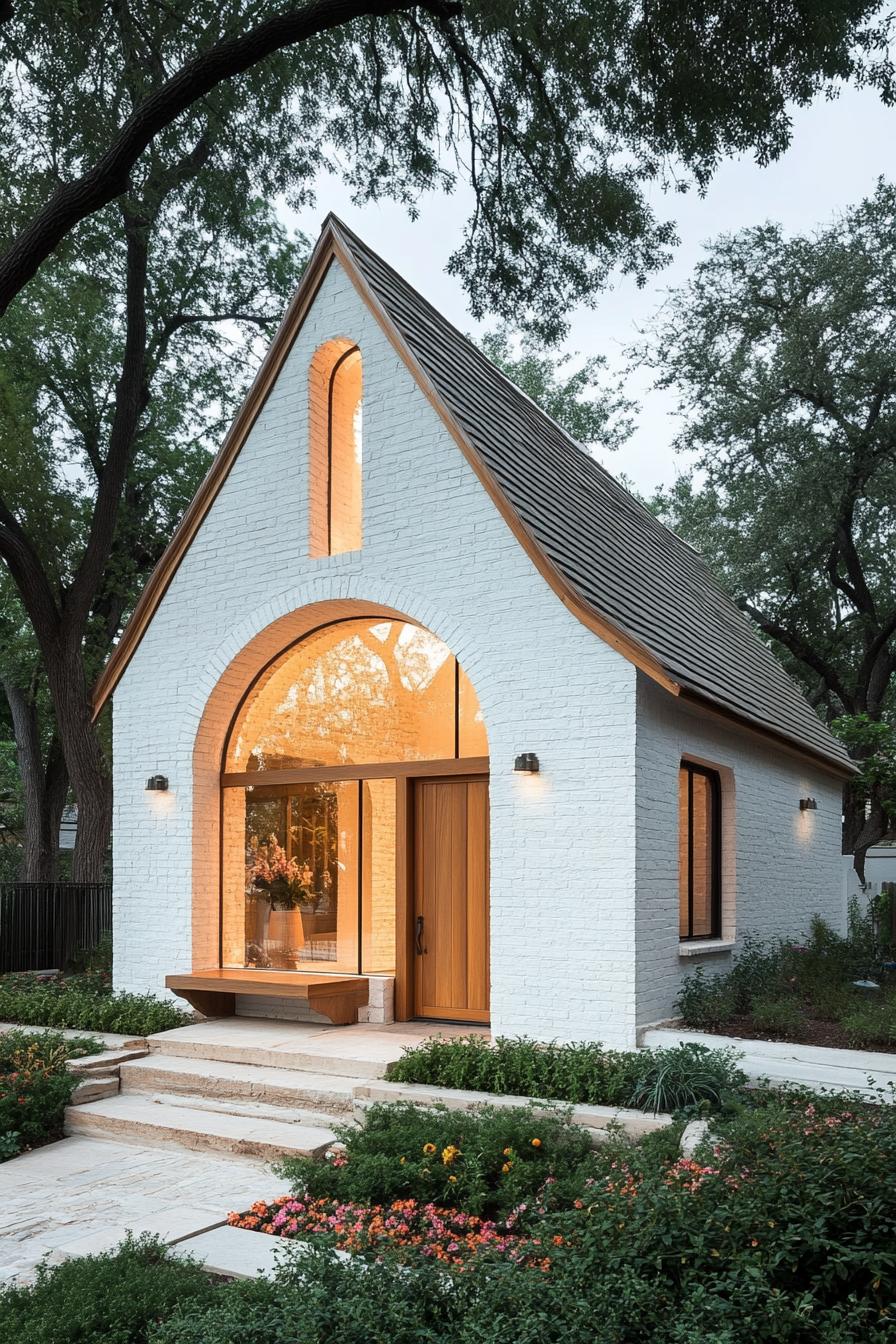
x=314, y=1300
x=115, y=1298
x=871, y=1024
x=777, y=985
x=585, y=1073
x=35, y=1086
x=556, y=116
x=778, y=1017
x=485, y=1162
x=781, y=1232
x=85, y=1003
x=686, y=1077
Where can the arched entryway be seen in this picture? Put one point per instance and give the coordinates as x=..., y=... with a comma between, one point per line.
x=354, y=818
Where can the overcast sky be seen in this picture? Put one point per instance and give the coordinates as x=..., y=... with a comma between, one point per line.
x=839, y=150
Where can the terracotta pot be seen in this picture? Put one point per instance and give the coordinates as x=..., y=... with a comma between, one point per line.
x=285, y=929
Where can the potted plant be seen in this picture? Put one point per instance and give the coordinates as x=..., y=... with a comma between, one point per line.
x=284, y=891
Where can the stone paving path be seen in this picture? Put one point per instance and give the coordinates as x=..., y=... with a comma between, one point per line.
x=81, y=1195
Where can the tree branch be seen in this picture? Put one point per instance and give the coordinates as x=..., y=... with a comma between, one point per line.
x=108, y=177
x=131, y=397
x=801, y=650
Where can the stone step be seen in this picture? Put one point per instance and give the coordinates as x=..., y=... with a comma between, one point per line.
x=224, y=1081
x=135, y=1119
x=306, y=1047
x=95, y=1087
x=251, y=1110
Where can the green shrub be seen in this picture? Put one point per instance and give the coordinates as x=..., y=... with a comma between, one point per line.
x=35, y=1086
x=814, y=976
x=783, y=1235
x=870, y=1024
x=79, y=1003
x=578, y=1073
x=685, y=1078
x=781, y=1017
x=115, y=1298
x=485, y=1162
x=583, y=1073
x=314, y=1300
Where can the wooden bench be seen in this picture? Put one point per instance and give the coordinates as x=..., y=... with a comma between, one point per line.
x=213, y=993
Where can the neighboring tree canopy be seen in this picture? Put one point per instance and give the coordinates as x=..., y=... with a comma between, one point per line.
x=556, y=114
x=783, y=353
x=595, y=415
x=146, y=147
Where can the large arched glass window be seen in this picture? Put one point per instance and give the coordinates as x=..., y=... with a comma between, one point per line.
x=335, y=449
x=309, y=823
x=359, y=692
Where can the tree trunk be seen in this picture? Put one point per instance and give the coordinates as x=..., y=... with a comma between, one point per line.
x=45, y=786
x=85, y=761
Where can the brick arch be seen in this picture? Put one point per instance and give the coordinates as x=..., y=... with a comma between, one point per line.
x=243, y=655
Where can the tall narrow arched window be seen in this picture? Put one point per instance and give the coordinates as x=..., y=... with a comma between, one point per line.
x=335, y=448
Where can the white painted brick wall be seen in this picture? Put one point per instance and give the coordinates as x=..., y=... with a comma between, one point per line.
x=435, y=549
x=780, y=865
x=565, y=867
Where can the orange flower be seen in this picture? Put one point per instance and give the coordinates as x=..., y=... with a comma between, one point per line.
x=429, y=1148
x=508, y=1152
x=536, y=1143
x=506, y=1167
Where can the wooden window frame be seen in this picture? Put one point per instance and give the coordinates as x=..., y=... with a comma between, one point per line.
x=331, y=383
x=691, y=768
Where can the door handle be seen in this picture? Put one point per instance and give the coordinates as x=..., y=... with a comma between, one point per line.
x=418, y=939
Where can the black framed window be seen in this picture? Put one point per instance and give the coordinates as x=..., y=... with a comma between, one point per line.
x=699, y=852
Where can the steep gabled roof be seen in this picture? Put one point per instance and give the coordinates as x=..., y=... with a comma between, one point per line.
x=614, y=564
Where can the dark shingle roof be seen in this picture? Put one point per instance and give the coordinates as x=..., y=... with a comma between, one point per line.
x=617, y=557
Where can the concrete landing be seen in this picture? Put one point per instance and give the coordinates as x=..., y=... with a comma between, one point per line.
x=360, y=1051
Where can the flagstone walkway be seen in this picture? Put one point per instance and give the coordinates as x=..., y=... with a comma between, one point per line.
x=82, y=1195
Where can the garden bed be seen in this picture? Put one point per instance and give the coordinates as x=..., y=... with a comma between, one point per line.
x=778, y=1231
x=36, y=1086
x=830, y=991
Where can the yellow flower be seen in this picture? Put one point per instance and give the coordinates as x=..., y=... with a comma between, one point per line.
x=715, y=1253
x=402, y=1161
x=452, y=1180
x=508, y=1152
x=506, y=1167
x=429, y=1148
x=449, y=1154
x=536, y=1143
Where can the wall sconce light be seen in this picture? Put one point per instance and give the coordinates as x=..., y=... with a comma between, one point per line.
x=808, y=805
x=157, y=784
x=526, y=763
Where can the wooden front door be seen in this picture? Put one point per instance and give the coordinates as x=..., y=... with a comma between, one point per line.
x=450, y=907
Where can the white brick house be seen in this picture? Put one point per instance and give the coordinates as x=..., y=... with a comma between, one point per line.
x=340, y=660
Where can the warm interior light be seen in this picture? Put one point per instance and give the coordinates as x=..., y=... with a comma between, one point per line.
x=157, y=783
x=808, y=805
x=526, y=763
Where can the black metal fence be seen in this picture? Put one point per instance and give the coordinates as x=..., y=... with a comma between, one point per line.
x=43, y=923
